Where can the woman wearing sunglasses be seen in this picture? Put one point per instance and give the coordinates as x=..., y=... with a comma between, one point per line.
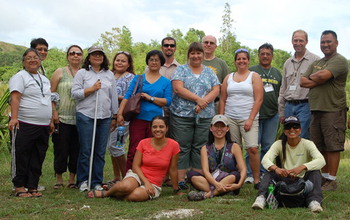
x=65, y=138
x=240, y=101
x=299, y=158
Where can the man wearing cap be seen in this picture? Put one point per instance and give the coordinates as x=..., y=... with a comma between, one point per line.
x=94, y=85
x=268, y=113
x=299, y=158
x=293, y=99
x=326, y=79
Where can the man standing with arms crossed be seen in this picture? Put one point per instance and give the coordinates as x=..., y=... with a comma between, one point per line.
x=326, y=79
x=293, y=99
x=268, y=113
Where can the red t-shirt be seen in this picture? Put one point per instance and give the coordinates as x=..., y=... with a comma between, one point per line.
x=155, y=164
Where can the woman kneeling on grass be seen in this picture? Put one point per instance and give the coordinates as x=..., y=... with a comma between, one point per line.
x=222, y=162
x=153, y=158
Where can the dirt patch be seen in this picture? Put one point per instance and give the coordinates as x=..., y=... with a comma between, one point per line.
x=177, y=213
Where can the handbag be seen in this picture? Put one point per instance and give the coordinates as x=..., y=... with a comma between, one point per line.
x=133, y=106
x=291, y=195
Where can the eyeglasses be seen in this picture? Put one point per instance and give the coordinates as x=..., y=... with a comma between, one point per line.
x=73, y=53
x=154, y=60
x=169, y=45
x=123, y=52
x=31, y=58
x=241, y=50
x=290, y=126
x=209, y=42
x=42, y=49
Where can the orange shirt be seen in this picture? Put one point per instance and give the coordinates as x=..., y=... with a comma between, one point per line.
x=155, y=164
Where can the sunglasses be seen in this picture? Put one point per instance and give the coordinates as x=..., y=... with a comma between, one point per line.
x=169, y=45
x=241, y=50
x=73, y=53
x=290, y=126
x=209, y=42
x=123, y=52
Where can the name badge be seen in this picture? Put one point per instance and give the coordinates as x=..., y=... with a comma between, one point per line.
x=292, y=87
x=268, y=88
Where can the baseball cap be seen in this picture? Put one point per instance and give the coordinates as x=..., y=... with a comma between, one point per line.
x=291, y=120
x=95, y=48
x=219, y=118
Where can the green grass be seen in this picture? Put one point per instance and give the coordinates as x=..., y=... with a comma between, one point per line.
x=69, y=203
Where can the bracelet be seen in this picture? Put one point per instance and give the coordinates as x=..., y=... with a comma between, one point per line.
x=176, y=190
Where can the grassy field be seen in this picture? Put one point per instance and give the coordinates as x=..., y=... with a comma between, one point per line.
x=71, y=204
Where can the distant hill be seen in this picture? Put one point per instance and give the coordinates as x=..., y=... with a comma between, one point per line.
x=10, y=53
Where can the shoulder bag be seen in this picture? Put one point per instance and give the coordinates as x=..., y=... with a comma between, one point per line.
x=133, y=106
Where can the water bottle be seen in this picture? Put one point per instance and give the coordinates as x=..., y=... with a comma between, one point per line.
x=120, y=136
x=270, y=191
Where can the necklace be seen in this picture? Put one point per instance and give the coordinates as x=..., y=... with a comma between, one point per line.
x=71, y=71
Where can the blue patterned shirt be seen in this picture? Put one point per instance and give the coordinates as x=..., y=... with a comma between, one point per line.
x=200, y=86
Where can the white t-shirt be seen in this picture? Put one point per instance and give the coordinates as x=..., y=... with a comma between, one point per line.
x=34, y=108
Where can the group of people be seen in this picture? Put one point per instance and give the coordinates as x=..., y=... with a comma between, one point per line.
x=192, y=120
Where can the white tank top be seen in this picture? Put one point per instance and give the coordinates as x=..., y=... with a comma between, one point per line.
x=240, y=98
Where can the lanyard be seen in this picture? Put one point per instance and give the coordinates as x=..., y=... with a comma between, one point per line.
x=297, y=69
x=39, y=84
x=266, y=74
x=219, y=155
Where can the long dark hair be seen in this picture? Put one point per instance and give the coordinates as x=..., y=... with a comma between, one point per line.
x=104, y=65
x=280, y=161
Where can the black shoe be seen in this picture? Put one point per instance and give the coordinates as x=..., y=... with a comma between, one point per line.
x=256, y=185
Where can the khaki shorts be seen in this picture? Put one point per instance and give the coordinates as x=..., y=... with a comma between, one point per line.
x=237, y=131
x=327, y=130
x=157, y=189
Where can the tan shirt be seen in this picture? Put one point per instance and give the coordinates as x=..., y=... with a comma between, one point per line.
x=293, y=70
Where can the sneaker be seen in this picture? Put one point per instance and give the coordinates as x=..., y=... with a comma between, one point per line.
x=196, y=196
x=41, y=188
x=183, y=186
x=249, y=180
x=84, y=186
x=98, y=187
x=330, y=185
x=260, y=202
x=315, y=206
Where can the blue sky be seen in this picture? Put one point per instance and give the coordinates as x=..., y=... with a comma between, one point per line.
x=66, y=22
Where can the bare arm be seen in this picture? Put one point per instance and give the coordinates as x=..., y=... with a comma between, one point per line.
x=55, y=79
x=223, y=96
x=237, y=153
x=258, y=99
x=180, y=90
x=15, y=100
x=120, y=118
x=307, y=83
x=173, y=171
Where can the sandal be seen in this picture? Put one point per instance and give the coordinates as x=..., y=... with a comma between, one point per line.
x=58, y=186
x=35, y=193
x=109, y=184
x=23, y=194
x=94, y=195
x=72, y=186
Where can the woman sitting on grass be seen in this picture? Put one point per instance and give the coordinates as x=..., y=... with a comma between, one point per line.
x=154, y=157
x=222, y=163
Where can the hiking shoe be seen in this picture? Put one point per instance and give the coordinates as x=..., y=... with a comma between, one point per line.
x=315, y=206
x=183, y=186
x=196, y=196
x=260, y=202
x=330, y=185
x=41, y=188
x=98, y=187
x=249, y=180
x=84, y=186
x=323, y=181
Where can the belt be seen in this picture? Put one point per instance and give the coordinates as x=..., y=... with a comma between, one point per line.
x=295, y=102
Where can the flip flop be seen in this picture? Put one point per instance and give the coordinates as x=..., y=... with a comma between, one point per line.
x=95, y=195
x=27, y=194
x=58, y=186
x=72, y=186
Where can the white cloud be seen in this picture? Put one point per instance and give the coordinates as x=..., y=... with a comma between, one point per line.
x=67, y=22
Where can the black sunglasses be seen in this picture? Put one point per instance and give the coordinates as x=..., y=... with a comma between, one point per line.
x=169, y=45
x=73, y=53
x=290, y=126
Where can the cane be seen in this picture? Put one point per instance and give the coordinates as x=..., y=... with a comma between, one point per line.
x=93, y=142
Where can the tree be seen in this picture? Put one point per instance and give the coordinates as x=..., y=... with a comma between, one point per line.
x=116, y=40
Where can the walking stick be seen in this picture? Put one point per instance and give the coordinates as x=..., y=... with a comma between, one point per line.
x=93, y=142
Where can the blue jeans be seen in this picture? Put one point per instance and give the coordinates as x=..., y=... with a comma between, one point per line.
x=267, y=136
x=85, y=126
x=302, y=111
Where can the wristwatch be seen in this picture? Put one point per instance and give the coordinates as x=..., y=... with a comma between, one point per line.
x=151, y=100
